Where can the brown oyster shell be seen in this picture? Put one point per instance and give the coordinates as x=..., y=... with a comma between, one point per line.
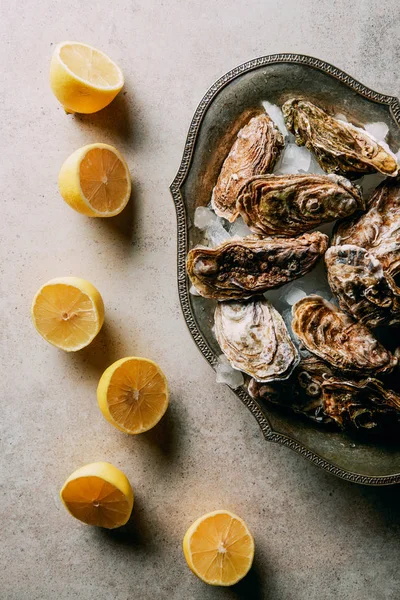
x=301, y=393
x=339, y=147
x=240, y=268
x=359, y=283
x=337, y=339
x=364, y=405
x=256, y=150
x=254, y=338
x=291, y=204
x=377, y=230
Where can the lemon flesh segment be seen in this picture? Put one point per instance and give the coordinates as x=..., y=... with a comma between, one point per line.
x=98, y=494
x=219, y=548
x=83, y=78
x=133, y=394
x=95, y=181
x=68, y=313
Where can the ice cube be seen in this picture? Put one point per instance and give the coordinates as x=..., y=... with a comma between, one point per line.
x=277, y=116
x=295, y=159
x=378, y=130
x=294, y=294
x=225, y=373
x=203, y=217
x=341, y=117
x=314, y=167
x=193, y=291
x=239, y=228
x=216, y=233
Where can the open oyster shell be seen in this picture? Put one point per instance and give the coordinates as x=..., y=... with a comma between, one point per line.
x=256, y=150
x=240, y=268
x=314, y=391
x=291, y=204
x=346, y=345
x=362, y=288
x=339, y=147
x=377, y=230
x=254, y=338
x=301, y=393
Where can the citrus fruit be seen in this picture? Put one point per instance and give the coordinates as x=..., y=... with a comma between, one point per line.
x=82, y=78
x=219, y=548
x=68, y=312
x=95, y=181
x=98, y=494
x=133, y=394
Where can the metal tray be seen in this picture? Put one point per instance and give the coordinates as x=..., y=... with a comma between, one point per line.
x=222, y=112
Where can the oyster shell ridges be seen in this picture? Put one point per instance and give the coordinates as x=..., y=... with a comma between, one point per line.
x=339, y=147
x=254, y=338
x=240, y=268
x=288, y=205
x=256, y=150
x=335, y=337
x=359, y=283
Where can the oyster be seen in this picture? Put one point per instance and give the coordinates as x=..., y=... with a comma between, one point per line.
x=333, y=336
x=254, y=338
x=315, y=392
x=377, y=230
x=361, y=286
x=291, y=204
x=240, y=268
x=362, y=405
x=339, y=147
x=301, y=393
x=256, y=150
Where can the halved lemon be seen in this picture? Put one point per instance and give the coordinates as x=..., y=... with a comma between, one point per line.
x=219, y=548
x=95, y=181
x=68, y=312
x=133, y=394
x=98, y=494
x=82, y=78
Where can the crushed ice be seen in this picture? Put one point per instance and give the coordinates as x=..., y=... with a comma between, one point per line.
x=378, y=130
x=225, y=373
x=239, y=228
x=193, y=291
x=204, y=217
x=276, y=115
x=216, y=233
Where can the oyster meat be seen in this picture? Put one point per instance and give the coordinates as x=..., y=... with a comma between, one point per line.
x=315, y=392
x=301, y=393
x=377, y=230
x=254, y=338
x=362, y=288
x=336, y=338
x=240, y=268
x=291, y=204
x=339, y=147
x=256, y=150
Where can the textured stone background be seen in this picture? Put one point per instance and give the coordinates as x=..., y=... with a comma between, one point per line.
x=317, y=537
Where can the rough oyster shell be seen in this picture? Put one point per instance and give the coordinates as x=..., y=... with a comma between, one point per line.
x=339, y=147
x=315, y=392
x=359, y=283
x=363, y=405
x=377, y=230
x=301, y=393
x=254, y=338
x=256, y=150
x=330, y=334
x=291, y=204
x=240, y=268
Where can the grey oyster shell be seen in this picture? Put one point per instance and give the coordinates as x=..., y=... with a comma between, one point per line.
x=339, y=147
x=240, y=268
x=302, y=393
x=349, y=347
x=256, y=150
x=377, y=230
x=288, y=205
x=254, y=338
x=314, y=391
x=362, y=288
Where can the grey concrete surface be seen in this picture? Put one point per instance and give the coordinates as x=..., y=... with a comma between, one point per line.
x=317, y=538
